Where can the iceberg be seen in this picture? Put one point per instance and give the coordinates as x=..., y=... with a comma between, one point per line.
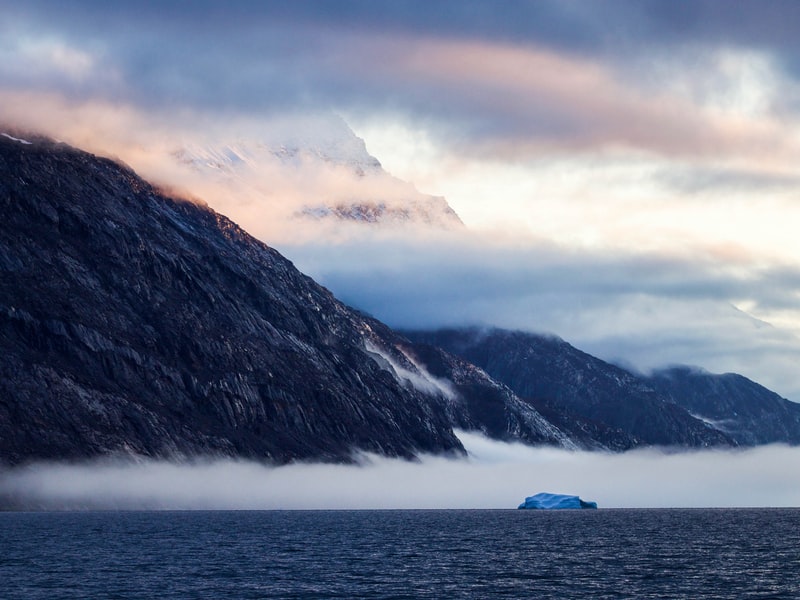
x=546, y=501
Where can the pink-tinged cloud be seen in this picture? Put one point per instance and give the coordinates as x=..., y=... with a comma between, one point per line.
x=508, y=101
x=483, y=95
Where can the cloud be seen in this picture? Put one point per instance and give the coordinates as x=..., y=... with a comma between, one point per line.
x=569, y=25
x=643, y=309
x=265, y=173
x=478, y=79
x=516, y=101
x=497, y=475
x=720, y=180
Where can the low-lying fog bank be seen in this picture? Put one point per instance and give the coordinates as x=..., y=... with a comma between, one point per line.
x=496, y=475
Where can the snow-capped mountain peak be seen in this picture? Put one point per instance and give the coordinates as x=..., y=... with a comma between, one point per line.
x=306, y=172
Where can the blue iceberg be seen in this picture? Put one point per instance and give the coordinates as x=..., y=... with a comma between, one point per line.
x=545, y=501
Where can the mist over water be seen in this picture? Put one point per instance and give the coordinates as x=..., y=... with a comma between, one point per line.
x=496, y=475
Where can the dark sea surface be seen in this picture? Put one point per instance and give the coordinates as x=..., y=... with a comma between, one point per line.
x=619, y=553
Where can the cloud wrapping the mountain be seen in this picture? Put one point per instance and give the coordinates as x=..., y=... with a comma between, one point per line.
x=643, y=311
x=497, y=475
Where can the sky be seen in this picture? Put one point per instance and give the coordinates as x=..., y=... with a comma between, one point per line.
x=625, y=170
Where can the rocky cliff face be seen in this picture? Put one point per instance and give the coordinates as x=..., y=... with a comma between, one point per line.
x=746, y=411
x=132, y=322
x=594, y=402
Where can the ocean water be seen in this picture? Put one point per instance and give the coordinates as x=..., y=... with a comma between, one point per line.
x=620, y=553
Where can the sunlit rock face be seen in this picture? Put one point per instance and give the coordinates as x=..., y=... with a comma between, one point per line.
x=312, y=174
x=595, y=402
x=748, y=412
x=134, y=323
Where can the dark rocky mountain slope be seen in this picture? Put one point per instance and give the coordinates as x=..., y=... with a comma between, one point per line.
x=748, y=412
x=136, y=323
x=596, y=403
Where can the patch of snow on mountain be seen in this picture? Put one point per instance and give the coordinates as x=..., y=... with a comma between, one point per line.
x=21, y=141
x=421, y=380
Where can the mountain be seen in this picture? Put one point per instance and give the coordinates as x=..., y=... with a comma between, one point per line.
x=313, y=170
x=132, y=322
x=596, y=403
x=136, y=323
x=746, y=411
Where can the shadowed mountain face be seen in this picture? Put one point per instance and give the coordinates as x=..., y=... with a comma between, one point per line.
x=134, y=323
x=594, y=402
x=748, y=412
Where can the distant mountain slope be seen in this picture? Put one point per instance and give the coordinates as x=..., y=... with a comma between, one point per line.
x=131, y=322
x=748, y=412
x=582, y=395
